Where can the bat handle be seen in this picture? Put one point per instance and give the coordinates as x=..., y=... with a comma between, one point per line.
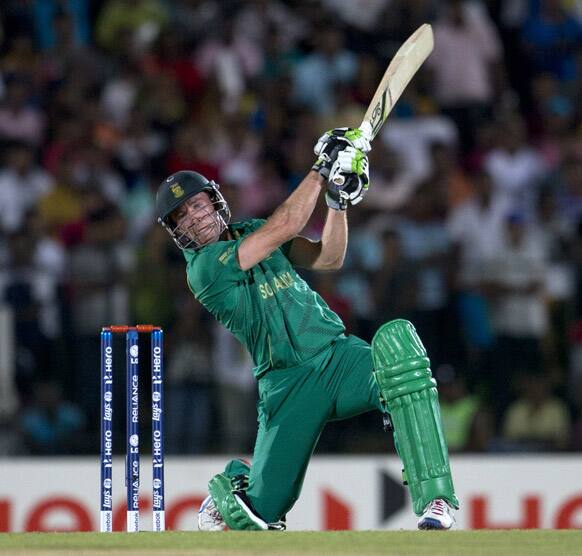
x=366, y=129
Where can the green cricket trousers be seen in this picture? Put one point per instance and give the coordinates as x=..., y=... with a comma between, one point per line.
x=294, y=406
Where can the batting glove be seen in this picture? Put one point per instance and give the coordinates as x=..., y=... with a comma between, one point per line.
x=349, y=179
x=327, y=148
x=354, y=137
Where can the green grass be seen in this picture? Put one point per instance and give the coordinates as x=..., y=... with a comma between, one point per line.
x=341, y=543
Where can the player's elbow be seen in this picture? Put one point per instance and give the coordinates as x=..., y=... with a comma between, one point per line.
x=337, y=264
x=329, y=264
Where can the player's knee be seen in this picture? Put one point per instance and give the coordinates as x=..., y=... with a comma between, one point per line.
x=400, y=360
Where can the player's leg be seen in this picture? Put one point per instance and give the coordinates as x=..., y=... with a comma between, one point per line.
x=351, y=380
x=293, y=413
x=235, y=475
x=402, y=370
x=293, y=410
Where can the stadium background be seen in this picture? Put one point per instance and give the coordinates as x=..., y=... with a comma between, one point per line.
x=472, y=228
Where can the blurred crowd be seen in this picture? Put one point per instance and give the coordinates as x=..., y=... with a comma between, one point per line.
x=472, y=228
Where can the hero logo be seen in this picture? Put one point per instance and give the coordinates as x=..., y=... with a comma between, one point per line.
x=108, y=449
x=157, y=449
x=157, y=363
x=108, y=364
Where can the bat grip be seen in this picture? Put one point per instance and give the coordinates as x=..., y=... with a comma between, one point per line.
x=366, y=129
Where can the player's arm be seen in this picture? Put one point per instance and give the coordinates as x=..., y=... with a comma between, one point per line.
x=348, y=182
x=284, y=224
x=329, y=252
x=338, y=159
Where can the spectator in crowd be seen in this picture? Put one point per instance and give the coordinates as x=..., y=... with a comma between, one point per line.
x=232, y=60
x=236, y=393
x=19, y=119
x=551, y=37
x=516, y=168
x=257, y=18
x=20, y=61
x=22, y=185
x=467, y=424
x=465, y=62
x=47, y=13
x=395, y=286
x=476, y=227
x=29, y=289
x=537, y=419
x=427, y=246
x=189, y=378
x=11, y=438
x=412, y=139
x=319, y=74
x=394, y=182
x=51, y=425
x=514, y=282
x=97, y=285
x=140, y=20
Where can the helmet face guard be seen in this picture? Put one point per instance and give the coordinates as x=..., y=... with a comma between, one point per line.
x=177, y=189
x=189, y=237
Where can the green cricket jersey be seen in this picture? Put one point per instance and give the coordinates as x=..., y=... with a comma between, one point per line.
x=269, y=308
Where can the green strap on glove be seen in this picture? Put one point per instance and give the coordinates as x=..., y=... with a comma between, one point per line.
x=402, y=371
x=332, y=142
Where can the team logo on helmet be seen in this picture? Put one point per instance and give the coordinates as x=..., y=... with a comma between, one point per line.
x=177, y=190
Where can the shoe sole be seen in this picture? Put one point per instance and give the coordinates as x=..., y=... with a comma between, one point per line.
x=430, y=524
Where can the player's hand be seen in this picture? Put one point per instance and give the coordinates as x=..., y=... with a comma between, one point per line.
x=349, y=179
x=354, y=137
x=327, y=154
x=331, y=142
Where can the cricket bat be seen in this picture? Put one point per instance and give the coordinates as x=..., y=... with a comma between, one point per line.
x=400, y=71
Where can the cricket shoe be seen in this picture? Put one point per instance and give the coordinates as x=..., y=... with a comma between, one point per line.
x=209, y=519
x=437, y=515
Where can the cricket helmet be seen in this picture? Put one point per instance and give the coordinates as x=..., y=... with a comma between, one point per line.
x=178, y=188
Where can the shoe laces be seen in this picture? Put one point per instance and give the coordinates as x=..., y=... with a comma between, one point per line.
x=438, y=507
x=213, y=512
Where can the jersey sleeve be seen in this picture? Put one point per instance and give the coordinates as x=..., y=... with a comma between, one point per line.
x=212, y=271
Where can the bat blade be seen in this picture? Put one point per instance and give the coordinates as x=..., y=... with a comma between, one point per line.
x=400, y=71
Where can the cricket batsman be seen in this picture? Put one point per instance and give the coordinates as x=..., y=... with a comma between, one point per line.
x=308, y=371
